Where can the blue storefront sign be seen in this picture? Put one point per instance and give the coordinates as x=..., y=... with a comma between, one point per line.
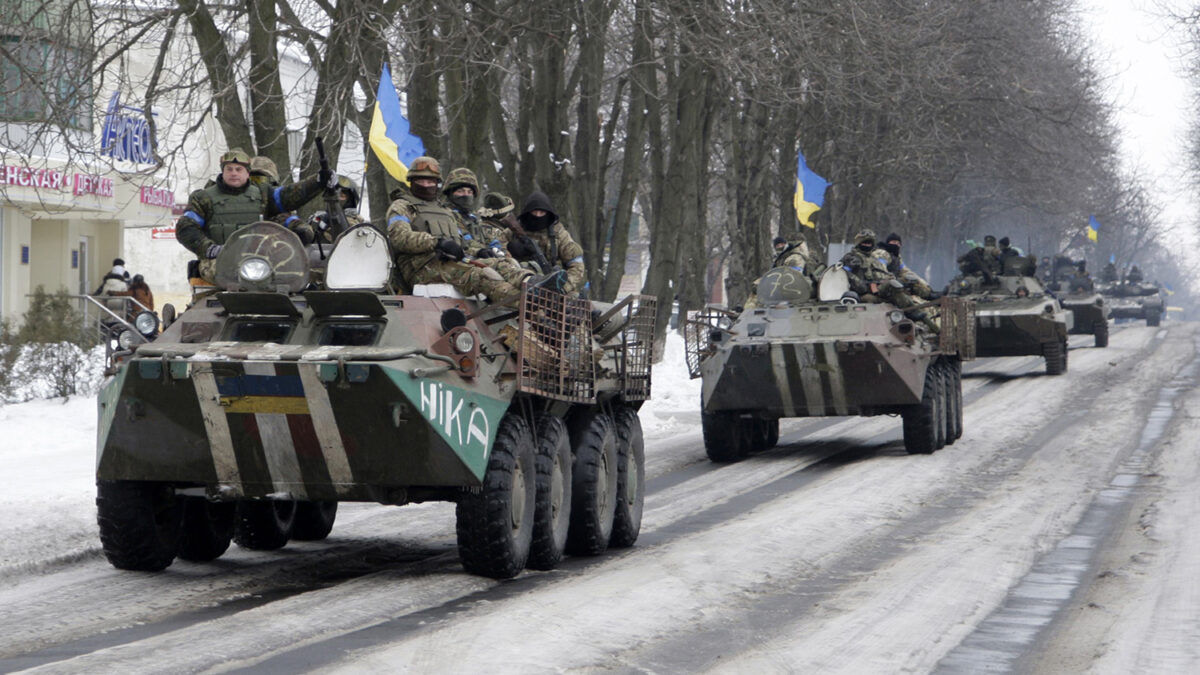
x=126, y=136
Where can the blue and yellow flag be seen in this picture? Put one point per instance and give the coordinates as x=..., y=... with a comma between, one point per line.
x=389, y=136
x=1093, y=231
x=810, y=192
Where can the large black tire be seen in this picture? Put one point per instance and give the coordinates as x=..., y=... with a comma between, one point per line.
x=1154, y=320
x=942, y=404
x=631, y=479
x=594, y=490
x=552, y=510
x=495, y=525
x=139, y=524
x=1056, y=357
x=1100, y=330
x=207, y=529
x=957, y=398
x=772, y=427
x=314, y=520
x=725, y=439
x=921, y=421
x=949, y=396
x=264, y=525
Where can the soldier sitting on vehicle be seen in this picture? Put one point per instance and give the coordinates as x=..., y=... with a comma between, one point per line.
x=1108, y=275
x=977, y=262
x=1134, y=276
x=1012, y=263
x=1080, y=281
x=427, y=242
x=871, y=280
x=540, y=222
x=888, y=253
x=232, y=201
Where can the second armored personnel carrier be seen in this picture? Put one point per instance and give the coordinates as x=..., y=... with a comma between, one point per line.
x=1088, y=308
x=1015, y=316
x=804, y=352
x=265, y=404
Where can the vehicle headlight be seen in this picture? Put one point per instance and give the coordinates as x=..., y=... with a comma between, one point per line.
x=1049, y=309
x=146, y=323
x=464, y=342
x=254, y=269
x=126, y=340
x=895, y=316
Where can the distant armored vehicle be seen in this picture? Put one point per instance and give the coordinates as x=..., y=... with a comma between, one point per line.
x=265, y=404
x=805, y=354
x=1135, y=301
x=1089, y=311
x=1015, y=316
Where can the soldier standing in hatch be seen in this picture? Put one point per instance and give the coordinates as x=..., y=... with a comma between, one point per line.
x=218, y=210
x=428, y=244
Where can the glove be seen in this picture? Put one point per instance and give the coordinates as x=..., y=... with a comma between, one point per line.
x=326, y=179
x=306, y=234
x=519, y=250
x=213, y=251
x=486, y=253
x=448, y=249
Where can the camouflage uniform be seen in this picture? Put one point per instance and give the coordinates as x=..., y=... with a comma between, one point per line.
x=555, y=241
x=870, y=278
x=415, y=226
x=217, y=211
x=889, y=255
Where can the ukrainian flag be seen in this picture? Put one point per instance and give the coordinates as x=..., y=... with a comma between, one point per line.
x=810, y=192
x=1093, y=231
x=389, y=136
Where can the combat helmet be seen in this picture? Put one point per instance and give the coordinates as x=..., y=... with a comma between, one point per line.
x=425, y=167
x=496, y=205
x=235, y=156
x=865, y=234
x=263, y=166
x=460, y=177
x=347, y=186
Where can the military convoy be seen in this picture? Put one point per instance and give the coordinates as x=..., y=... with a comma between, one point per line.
x=265, y=404
x=1088, y=308
x=805, y=352
x=1015, y=316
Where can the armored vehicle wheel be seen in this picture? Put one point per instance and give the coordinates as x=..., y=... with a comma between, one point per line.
x=594, y=489
x=139, y=524
x=631, y=479
x=264, y=525
x=724, y=438
x=1154, y=320
x=1056, y=357
x=941, y=415
x=956, y=397
x=1100, y=330
x=207, y=528
x=495, y=525
x=921, y=420
x=552, y=509
x=948, y=401
x=771, y=429
x=314, y=520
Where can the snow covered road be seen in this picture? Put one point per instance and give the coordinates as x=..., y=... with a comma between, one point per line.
x=834, y=552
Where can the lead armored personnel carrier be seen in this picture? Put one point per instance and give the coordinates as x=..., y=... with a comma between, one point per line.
x=1015, y=316
x=805, y=352
x=265, y=404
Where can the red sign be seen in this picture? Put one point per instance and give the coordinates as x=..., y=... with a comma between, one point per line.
x=38, y=178
x=89, y=184
x=157, y=197
x=167, y=232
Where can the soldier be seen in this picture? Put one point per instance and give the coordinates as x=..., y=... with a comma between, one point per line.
x=889, y=254
x=873, y=282
x=428, y=244
x=794, y=254
x=977, y=261
x=218, y=210
x=1134, y=276
x=541, y=223
x=347, y=194
x=779, y=243
x=265, y=175
x=1109, y=274
x=1081, y=281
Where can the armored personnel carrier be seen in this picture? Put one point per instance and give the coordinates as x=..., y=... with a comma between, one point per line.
x=1135, y=301
x=1015, y=316
x=804, y=352
x=1089, y=311
x=265, y=404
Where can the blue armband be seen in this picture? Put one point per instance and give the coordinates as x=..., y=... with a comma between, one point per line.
x=400, y=218
x=290, y=220
x=576, y=259
x=276, y=194
x=195, y=216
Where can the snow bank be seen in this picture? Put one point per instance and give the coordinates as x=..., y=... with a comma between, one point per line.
x=675, y=398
